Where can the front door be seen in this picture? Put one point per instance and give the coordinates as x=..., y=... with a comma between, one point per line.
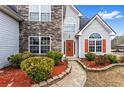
x=69, y=47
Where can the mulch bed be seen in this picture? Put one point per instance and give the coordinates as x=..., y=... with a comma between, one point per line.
x=58, y=69
x=14, y=77
x=91, y=64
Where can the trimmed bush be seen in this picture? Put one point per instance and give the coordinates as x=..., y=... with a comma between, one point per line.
x=38, y=68
x=18, y=58
x=56, y=56
x=51, y=54
x=90, y=56
x=15, y=59
x=26, y=55
x=112, y=58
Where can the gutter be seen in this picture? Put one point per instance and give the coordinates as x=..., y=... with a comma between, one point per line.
x=10, y=12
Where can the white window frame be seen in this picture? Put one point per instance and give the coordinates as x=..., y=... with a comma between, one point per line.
x=98, y=39
x=29, y=14
x=95, y=44
x=39, y=13
x=70, y=24
x=45, y=12
x=39, y=44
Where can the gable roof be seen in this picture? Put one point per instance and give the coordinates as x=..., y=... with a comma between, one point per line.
x=83, y=22
x=105, y=25
x=76, y=10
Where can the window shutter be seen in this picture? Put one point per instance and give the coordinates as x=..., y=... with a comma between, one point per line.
x=104, y=45
x=86, y=45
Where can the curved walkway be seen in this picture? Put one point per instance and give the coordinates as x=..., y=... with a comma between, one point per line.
x=76, y=78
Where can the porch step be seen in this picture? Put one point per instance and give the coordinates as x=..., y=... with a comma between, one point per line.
x=72, y=58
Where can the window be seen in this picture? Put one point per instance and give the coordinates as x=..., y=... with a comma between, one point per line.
x=45, y=13
x=91, y=46
x=40, y=13
x=45, y=44
x=34, y=13
x=95, y=36
x=39, y=44
x=69, y=27
x=34, y=44
x=95, y=43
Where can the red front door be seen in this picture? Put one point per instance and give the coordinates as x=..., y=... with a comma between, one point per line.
x=69, y=47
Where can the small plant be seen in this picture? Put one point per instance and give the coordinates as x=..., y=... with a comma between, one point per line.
x=18, y=58
x=112, y=58
x=38, y=68
x=56, y=56
x=100, y=60
x=51, y=54
x=90, y=56
x=15, y=59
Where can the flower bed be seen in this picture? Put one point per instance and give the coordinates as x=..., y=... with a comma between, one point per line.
x=89, y=65
x=14, y=77
x=101, y=62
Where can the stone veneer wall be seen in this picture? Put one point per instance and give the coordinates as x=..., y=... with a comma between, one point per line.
x=30, y=28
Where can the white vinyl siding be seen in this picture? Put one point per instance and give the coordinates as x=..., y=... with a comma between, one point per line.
x=94, y=27
x=40, y=13
x=9, y=38
x=39, y=44
x=69, y=27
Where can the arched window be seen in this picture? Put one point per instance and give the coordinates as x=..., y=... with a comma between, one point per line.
x=95, y=36
x=95, y=43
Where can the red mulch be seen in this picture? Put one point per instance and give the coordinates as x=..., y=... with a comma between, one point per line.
x=18, y=78
x=92, y=65
x=58, y=69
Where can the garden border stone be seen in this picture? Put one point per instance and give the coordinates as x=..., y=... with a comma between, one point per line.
x=54, y=79
x=100, y=69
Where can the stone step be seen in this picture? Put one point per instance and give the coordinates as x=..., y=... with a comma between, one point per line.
x=72, y=58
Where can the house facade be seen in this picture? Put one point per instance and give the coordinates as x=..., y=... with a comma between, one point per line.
x=61, y=28
x=9, y=33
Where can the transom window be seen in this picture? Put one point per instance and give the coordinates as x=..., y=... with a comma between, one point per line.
x=95, y=43
x=39, y=44
x=40, y=13
x=69, y=27
x=95, y=36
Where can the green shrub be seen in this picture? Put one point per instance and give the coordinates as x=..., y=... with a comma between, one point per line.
x=18, y=58
x=56, y=56
x=15, y=59
x=38, y=68
x=51, y=54
x=112, y=58
x=26, y=55
x=90, y=56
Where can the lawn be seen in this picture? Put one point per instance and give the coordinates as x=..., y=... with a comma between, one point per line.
x=113, y=77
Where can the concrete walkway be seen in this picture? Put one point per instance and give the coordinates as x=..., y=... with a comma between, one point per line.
x=76, y=78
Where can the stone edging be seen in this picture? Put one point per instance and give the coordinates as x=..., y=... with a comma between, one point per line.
x=54, y=79
x=100, y=69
